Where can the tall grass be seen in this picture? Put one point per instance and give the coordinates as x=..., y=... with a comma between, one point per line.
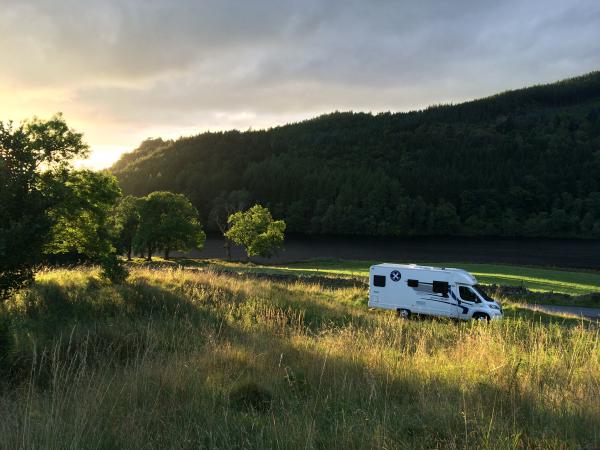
x=181, y=359
x=534, y=278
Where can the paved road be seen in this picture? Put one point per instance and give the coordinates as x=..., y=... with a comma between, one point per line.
x=590, y=313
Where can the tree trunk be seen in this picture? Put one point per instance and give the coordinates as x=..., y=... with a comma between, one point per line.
x=227, y=249
x=167, y=253
x=129, y=253
x=149, y=258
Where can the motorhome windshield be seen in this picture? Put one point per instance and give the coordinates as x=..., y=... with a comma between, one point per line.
x=482, y=293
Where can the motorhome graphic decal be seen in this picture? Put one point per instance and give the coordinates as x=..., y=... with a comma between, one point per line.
x=425, y=290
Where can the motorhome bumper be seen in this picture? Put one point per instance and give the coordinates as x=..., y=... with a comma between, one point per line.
x=496, y=315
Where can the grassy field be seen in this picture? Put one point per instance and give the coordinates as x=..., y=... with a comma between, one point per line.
x=183, y=359
x=533, y=278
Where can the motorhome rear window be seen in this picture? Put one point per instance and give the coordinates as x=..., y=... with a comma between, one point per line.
x=379, y=280
x=413, y=283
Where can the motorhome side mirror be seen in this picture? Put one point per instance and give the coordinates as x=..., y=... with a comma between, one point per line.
x=441, y=287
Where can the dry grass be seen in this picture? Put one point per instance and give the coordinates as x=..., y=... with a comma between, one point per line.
x=180, y=359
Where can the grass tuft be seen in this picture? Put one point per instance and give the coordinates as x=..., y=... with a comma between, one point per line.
x=250, y=396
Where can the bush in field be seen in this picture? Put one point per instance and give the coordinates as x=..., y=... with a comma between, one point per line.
x=249, y=395
x=113, y=270
x=256, y=231
x=5, y=340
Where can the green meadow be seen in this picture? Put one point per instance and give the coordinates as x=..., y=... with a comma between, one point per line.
x=539, y=279
x=178, y=358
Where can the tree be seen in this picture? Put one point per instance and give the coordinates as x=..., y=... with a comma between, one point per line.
x=33, y=156
x=256, y=231
x=81, y=219
x=167, y=222
x=223, y=207
x=443, y=219
x=125, y=223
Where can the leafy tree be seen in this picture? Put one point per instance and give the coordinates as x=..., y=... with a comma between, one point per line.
x=167, y=222
x=125, y=223
x=256, y=231
x=81, y=218
x=33, y=156
x=223, y=207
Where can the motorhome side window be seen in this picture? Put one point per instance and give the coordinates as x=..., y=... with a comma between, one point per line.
x=440, y=287
x=379, y=280
x=467, y=294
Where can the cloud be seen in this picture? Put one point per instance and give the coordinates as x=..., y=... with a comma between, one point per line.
x=123, y=68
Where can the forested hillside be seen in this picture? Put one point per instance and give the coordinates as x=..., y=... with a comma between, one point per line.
x=521, y=163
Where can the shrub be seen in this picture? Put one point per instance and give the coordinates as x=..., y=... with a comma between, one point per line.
x=113, y=269
x=249, y=395
x=5, y=340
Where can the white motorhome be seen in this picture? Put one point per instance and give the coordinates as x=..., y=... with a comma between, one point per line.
x=446, y=292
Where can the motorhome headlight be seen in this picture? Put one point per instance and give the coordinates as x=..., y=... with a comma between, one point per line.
x=495, y=307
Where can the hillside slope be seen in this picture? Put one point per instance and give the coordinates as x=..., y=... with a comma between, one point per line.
x=521, y=163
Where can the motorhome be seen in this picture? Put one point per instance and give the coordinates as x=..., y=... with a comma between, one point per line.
x=434, y=291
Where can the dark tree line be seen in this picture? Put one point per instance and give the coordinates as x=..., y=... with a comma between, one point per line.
x=521, y=163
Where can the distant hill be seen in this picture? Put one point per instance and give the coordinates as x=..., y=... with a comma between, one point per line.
x=520, y=163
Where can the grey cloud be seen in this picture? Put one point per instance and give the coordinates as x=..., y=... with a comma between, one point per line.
x=181, y=63
x=341, y=40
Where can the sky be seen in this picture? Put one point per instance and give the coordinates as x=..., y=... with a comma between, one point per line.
x=124, y=70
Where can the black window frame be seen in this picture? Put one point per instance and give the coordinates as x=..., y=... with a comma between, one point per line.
x=440, y=287
x=468, y=288
x=377, y=278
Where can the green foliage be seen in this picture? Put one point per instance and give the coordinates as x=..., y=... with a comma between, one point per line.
x=256, y=231
x=522, y=163
x=250, y=396
x=34, y=156
x=113, y=269
x=125, y=220
x=5, y=341
x=81, y=220
x=225, y=205
x=222, y=207
x=167, y=222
